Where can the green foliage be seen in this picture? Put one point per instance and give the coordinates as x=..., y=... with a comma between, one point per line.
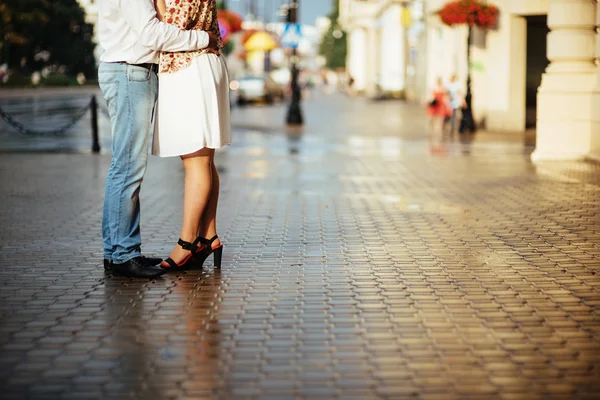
x=17, y=80
x=334, y=49
x=20, y=80
x=228, y=48
x=29, y=27
x=56, y=79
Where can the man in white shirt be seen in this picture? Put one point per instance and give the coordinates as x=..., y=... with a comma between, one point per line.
x=132, y=37
x=454, y=94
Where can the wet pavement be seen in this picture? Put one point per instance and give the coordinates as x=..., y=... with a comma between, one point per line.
x=357, y=266
x=49, y=109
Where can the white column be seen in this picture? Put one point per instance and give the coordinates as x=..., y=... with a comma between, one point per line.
x=392, y=65
x=357, y=58
x=373, y=59
x=566, y=119
x=499, y=93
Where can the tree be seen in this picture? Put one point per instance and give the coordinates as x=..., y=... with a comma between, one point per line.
x=333, y=43
x=39, y=33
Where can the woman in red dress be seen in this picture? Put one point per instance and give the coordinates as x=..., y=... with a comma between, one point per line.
x=438, y=110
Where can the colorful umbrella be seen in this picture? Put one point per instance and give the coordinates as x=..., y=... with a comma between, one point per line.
x=260, y=41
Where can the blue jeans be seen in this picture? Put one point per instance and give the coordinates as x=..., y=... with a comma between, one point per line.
x=130, y=93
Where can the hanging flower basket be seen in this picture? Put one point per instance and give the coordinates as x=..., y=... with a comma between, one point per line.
x=233, y=19
x=469, y=12
x=224, y=28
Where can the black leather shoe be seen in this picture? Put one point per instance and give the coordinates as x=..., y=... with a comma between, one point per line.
x=148, y=261
x=137, y=268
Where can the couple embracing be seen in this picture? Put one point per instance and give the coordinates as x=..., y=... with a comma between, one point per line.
x=175, y=43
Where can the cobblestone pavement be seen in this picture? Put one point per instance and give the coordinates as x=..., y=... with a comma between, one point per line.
x=356, y=266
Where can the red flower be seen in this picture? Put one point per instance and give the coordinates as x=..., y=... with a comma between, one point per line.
x=470, y=12
x=234, y=19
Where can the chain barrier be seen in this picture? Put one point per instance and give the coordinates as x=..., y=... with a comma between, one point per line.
x=53, y=132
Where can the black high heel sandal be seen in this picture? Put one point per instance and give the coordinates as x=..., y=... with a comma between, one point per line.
x=207, y=250
x=187, y=262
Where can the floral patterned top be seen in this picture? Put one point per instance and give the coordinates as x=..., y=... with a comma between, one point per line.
x=188, y=15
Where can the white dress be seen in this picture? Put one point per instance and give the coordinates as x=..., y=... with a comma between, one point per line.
x=192, y=112
x=193, y=108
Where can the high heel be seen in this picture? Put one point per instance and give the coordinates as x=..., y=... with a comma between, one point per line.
x=203, y=254
x=218, y=256
x=189, y=260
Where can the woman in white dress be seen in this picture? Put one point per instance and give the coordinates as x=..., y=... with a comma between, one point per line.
x=192, y=120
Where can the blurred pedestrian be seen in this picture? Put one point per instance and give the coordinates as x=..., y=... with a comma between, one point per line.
x=4, y=73
x=438, y=109
x=193, y=119
x=131, y=37
x=351, y=91
x=330, y=81
x=455, y=99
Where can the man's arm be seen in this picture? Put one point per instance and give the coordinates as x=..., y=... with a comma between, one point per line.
x=141, y=16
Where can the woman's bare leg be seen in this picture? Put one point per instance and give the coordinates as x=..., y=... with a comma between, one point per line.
x=208, y=223
x=197, y=192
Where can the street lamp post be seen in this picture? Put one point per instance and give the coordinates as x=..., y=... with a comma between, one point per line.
x=294, y=114
x=467, y=122
x=405, y=16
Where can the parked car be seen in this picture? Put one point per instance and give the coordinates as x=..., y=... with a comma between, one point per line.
x=252, y=88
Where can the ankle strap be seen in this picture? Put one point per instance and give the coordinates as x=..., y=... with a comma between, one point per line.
x=187, y=245
x=207, y=242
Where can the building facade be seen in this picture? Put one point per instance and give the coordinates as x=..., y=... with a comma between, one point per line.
x=537, y=69
x=379, y=55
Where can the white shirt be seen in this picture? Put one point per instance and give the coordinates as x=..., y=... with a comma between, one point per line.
x=129, y=31
x=453, y=89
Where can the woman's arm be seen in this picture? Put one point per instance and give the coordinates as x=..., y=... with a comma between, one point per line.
x=141, y=16
x=161, y=9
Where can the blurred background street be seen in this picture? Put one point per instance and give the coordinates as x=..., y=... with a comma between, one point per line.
x=338, y=114
x=371, y=251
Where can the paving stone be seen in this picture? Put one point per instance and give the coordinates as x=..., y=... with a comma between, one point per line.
x=348, y=273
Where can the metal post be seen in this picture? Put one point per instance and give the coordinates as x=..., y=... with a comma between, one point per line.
x=294, y=115
x=467, y=123
x=95, y=139
x=250, y=9
x=269, y=11
x=406, y=46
